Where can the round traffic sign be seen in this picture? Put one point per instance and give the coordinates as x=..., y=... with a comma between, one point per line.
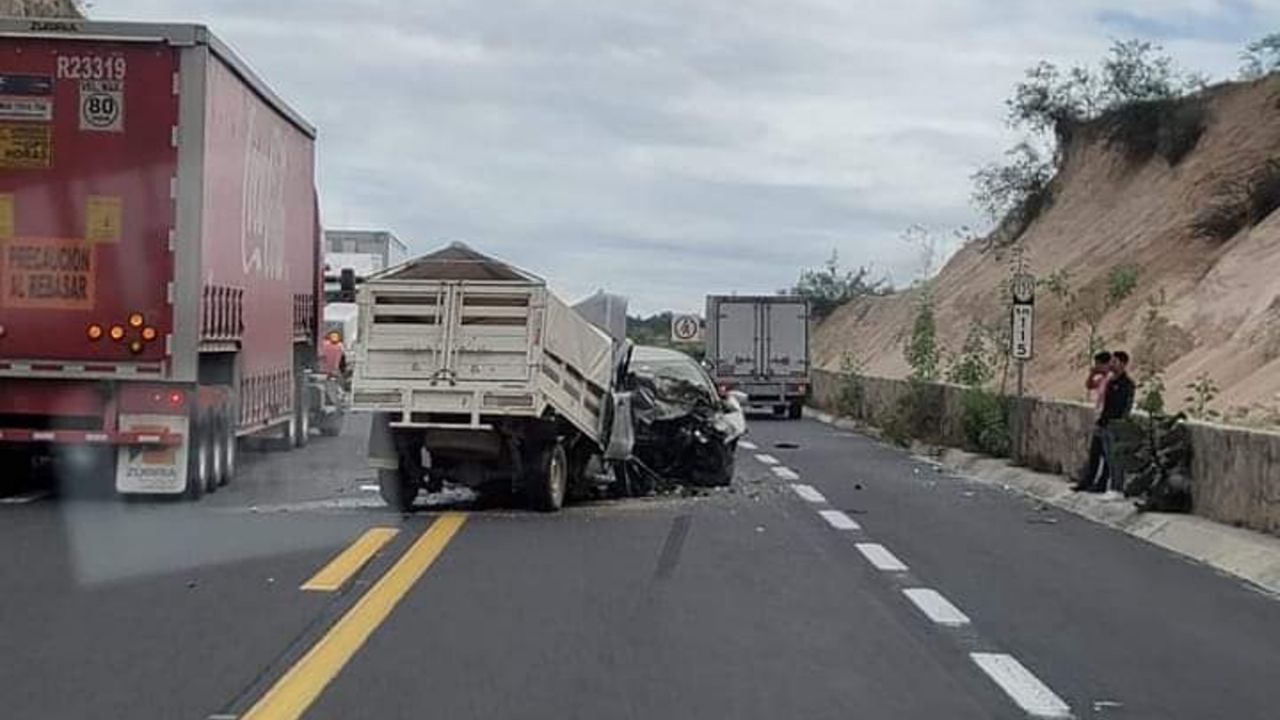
x=685, y=327
x=1024, y=288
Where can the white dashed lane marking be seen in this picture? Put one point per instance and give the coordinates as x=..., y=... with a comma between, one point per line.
x=808, y=492
x=785, y=473
x=1034, y=697
x=936, y=607
x=839, y=520
x=747, y=445
x=767, y=459
x=879, y=556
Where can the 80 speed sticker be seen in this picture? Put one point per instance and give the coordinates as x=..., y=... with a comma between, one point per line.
x=102, y=105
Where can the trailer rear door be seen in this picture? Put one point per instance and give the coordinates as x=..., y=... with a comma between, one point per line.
x=786, y=338
x=738, y=339
x=87, y=163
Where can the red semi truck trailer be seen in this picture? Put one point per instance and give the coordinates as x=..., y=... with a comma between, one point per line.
x=159, y=254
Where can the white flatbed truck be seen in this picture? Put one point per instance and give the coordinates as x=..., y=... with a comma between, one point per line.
x=477, y=374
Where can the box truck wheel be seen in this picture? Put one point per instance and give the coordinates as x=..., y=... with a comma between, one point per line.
x=796, y=410
x=548, y=478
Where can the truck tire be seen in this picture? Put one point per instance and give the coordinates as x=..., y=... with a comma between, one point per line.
x=300, y=423
x=198, y=460
x=217, y=468
x=796, y=411
x=548, y=478
x=226, y=446
x=397, y=491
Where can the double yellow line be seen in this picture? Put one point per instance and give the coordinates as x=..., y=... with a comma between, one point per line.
x=299, y=687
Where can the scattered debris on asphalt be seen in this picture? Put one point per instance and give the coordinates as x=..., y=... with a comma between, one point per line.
x=1100, y=705
x=787, y=445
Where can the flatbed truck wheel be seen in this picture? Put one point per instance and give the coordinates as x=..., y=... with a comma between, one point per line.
x=796, y=410
x=548, y=478
x=397, y=490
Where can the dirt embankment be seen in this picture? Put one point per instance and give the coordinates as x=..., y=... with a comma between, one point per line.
x=1221, y=298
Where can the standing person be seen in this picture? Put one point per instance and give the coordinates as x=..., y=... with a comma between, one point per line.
x=1117, y=404
x=1096, y=386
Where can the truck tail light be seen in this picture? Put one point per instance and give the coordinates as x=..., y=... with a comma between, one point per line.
x=136, y=320
x=173, y=398
x=148, y=333
x=117, y=333
x=94, y=332
x=135, y=346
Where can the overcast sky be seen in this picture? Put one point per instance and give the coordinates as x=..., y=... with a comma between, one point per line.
x=665, y=149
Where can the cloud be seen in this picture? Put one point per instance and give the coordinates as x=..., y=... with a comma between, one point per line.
x=669, y=149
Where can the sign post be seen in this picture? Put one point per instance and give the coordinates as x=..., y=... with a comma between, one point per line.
x=1022, y=345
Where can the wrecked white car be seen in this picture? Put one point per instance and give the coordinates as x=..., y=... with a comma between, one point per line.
x=685, y=432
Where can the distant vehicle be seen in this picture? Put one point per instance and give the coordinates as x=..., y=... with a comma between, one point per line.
x=685, y=428
x=759, y=345
x=478, y=363
x=160, y=281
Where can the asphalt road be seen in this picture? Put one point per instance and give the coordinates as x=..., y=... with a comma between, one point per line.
x=879, y=588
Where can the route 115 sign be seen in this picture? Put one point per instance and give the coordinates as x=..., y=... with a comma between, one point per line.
x=1021, y=337
x=686, y=328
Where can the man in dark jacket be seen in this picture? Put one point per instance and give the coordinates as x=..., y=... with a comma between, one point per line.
x=1117, y=404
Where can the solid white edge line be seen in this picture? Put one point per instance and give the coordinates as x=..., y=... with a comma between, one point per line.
x=879, y=556
x=748, y=445
x=1034, y=697
x=767, y=459
x=808, y=493
x=839, y=520
x=936, y=607
x=785, y=473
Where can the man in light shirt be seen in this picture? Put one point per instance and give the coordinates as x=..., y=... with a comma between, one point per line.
x=1097, y=466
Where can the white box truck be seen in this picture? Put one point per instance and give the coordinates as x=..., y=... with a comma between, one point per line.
x=479, y=375
x=759, y=345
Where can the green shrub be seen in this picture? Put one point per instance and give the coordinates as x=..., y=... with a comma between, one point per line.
x=985, y=422
x=1220, y=222
x=852, y=398
x=1262, y=194
x=1169, y=127
x=1238, y=204
x=1180, y=130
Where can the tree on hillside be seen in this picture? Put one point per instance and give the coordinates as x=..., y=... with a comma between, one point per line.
x=829, y=286
x=1260, y=57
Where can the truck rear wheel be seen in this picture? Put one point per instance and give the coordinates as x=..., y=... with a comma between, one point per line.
x=548, y=478
x=796, y=410
x=300, y=423
x=397, y=490
x=199, y=462
x=226, y=447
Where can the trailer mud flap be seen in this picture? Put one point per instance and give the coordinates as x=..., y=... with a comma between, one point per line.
x=152, y=469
